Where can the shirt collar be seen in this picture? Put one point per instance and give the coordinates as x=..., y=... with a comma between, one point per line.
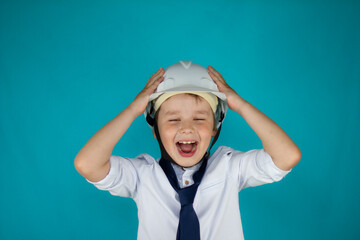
x=179, y=171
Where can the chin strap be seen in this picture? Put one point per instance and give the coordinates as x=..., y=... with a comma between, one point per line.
x=207, y=154
x=164, y=154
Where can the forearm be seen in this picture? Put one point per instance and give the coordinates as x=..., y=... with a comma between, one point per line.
x=93, y=159
x=275, y=141
x=97, y=151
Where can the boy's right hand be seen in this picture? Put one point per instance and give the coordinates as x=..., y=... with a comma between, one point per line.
x=141, y=100
x=92, y=161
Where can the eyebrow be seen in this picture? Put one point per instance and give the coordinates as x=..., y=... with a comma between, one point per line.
x=171, y=112
x=202, y=112
x=177, y=112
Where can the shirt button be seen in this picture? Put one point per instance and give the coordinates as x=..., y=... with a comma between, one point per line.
x=186, y=182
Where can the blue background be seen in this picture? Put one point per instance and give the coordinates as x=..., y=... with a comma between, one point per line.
x=68, y=67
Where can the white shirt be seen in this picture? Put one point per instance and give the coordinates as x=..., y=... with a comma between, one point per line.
x=216, y=202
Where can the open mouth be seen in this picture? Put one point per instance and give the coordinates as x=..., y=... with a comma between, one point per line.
x=186, y=148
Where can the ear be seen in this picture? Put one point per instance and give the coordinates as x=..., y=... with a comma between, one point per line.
x=154, y=132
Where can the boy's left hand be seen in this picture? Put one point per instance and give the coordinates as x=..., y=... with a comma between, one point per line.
x=233, y=99
x=283, y=151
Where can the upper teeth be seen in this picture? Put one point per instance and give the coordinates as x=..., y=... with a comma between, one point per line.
x=189, y=142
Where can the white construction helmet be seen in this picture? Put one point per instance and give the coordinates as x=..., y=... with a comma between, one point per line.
x=187, y=77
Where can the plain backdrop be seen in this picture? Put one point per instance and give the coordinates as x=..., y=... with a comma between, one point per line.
x=68, y=67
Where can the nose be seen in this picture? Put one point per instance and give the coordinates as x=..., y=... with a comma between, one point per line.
x=186, y=128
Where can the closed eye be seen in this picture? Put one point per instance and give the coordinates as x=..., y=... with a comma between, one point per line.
x=199, y=119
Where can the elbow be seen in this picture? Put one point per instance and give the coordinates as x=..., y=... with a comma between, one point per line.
x=298, y=154
x=295, y=157
x=80, y=166
x=288, y=160
x=89, y=170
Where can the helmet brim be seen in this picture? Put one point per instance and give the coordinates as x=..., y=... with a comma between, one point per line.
x=188, y=89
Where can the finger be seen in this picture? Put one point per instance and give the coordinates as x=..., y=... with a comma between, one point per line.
x=158, y=79
x=214, y=77
x=155, y=84
x=155, y=76
x=213, y=70
x=218, y=79
x=216, y=73
x=221, y=84
x=157, y=71
x=153, y=79
x=160, y=72
x=151, y=82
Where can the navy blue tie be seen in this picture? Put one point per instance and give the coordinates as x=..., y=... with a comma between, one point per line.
x=189, y=227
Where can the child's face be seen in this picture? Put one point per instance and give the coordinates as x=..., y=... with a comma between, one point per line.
x=186, y=125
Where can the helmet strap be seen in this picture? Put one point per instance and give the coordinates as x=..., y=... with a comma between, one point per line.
x=213, y=141
x=164, y=154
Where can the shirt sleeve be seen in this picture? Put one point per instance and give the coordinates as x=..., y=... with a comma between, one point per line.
x=256, y=167
x=121, y=179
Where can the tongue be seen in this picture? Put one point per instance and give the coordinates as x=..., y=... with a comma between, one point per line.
x=186, y=147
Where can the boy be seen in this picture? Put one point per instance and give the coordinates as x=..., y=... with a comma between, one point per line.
x=187, y=194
